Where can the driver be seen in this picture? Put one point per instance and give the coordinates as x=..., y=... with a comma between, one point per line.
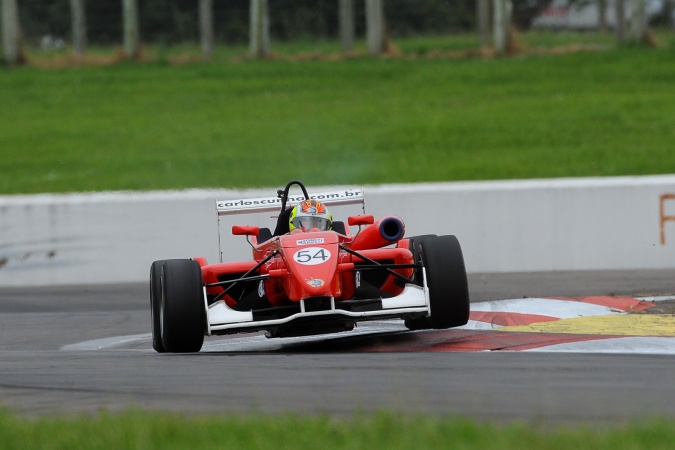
x=310, y=214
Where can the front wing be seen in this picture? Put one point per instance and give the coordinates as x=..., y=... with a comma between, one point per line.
x=413, y=301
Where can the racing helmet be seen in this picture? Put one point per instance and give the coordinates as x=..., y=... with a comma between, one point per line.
x=310, y=214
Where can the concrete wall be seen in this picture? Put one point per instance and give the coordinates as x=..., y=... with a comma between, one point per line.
x=503, y=226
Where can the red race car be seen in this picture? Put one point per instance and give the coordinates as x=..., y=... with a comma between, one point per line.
x=310, y=276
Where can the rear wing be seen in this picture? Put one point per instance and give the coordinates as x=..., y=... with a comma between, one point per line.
x=263, y=204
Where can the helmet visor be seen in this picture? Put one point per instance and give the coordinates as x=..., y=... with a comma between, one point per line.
x=307, y=223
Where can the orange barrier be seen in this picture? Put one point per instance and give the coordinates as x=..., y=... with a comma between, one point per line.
x=664, y=218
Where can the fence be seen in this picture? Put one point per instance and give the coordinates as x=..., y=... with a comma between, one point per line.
x=175, y=21
x=75, y=24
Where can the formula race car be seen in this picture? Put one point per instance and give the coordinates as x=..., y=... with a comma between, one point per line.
x=310, y=276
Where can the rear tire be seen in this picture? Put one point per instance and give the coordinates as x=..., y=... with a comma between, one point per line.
x=446, y=279
x=155, y=301
x=182, y=315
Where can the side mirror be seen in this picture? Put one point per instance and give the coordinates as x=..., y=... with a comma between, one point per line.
x=245, y=230
x=367, y=219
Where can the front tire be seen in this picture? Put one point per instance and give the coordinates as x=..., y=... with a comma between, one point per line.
x=446, y=279
x=182, y=315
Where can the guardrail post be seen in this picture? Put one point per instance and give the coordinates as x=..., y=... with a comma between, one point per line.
x=638, y=21
x=260, y=29
x=483, y=21
x=12, y=41
x=132, y=39
x=501, y=22
x=620, y=26
x=347, y=24
x=375, y=26
x=79, y=25
x=206, y=26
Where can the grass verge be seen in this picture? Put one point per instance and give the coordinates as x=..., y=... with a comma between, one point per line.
x=143, y=430
x=363, y=120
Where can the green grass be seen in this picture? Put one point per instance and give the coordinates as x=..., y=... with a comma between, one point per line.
x=240, y=123
x=139, y=430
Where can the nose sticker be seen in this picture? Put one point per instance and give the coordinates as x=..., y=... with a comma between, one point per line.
x=312, y=256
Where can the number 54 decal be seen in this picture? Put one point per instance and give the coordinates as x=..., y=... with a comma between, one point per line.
x=311, y=256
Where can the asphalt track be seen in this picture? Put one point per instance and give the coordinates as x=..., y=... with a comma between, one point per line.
x=81, y=349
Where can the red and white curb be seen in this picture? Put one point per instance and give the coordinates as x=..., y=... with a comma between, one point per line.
x=525, y=311
x=583, y=325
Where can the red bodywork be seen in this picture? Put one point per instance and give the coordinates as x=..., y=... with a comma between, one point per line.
x=312, y=264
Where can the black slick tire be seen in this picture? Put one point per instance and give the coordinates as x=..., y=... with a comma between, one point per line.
x=446, y=279
x=182, y=315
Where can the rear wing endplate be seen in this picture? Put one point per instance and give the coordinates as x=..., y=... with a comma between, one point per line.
x=263, y=204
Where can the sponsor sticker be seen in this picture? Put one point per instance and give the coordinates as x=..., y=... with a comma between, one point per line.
x=315, y=282
x=344, y=197
x=310, y=241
